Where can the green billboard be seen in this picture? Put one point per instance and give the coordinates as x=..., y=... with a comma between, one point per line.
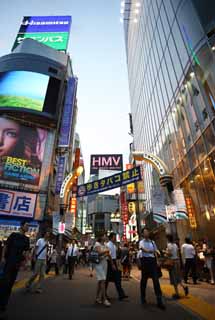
x=55, y=40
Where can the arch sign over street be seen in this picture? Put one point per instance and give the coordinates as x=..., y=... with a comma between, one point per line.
x=115, y=181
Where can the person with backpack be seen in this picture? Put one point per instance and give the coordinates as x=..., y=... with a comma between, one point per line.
x=40, y=257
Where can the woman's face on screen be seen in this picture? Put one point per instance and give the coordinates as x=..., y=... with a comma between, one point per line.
x=9, y=136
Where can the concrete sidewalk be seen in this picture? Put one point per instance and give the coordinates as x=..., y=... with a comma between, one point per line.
x=201, y=299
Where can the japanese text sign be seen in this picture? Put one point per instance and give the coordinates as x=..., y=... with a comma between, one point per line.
x=60, y=174
x=67, y=118
x=14, y=203
x=111, y=182
x=50, y=30
x=106, y=162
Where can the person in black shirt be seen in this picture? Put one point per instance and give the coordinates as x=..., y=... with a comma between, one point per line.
x=13, y=254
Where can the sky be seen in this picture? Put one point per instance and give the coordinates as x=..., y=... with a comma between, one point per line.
x=98, y=55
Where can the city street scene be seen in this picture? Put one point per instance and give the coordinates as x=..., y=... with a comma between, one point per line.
x=107, y=159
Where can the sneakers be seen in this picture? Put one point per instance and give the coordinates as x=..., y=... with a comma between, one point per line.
x=98, y=301
x=106, y=303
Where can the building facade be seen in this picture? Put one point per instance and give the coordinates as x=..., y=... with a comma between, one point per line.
x=38, y=110
x=99, y=209
x=170, y=48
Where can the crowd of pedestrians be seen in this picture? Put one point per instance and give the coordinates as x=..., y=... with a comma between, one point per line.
x=110, y=261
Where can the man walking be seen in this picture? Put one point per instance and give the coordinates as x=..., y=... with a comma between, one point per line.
x=189, y=255
x=71, y=257
x=40, y=264
x=114, y=274
x=13, y=254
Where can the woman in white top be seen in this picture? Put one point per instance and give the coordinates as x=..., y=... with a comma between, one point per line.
x=101, y=271
x=172, y=252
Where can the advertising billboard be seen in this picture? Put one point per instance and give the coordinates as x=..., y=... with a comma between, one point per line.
x=106, y=162
x=28, y=90
x=23, y=89
x=21, y=151
x=52, y=31
x=67, y=117
x=14, y=203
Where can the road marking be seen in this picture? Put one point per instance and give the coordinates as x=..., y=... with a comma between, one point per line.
x=196, y=305
x=21, y=283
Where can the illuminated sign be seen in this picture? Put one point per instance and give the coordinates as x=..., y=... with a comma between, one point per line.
x=124, y=213
x=30, y=91
x=14, y=203
x=111, y=182
x=52, y=31
x=191, y=212
x=131, y=207
x=23, y=89
x=21, y=151
x=73, y=205
x=106, y=162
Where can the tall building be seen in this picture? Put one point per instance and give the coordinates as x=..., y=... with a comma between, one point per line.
x=170, y=48
x=100, y=208
x=38, y=110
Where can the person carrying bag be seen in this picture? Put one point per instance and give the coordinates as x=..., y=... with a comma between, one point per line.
x=150, y=268
x=40, y=263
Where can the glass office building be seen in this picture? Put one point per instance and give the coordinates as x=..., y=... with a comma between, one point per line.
x=170, y=48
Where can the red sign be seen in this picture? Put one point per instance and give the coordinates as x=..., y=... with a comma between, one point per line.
x=124, y=212
x=190, y=212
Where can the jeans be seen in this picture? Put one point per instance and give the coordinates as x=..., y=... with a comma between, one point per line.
x=149, y=270
x=190, y=264
x=7, y=282
x=39, y=270
x=71, y=265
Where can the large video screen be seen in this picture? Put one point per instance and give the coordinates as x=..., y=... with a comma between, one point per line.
x=22, y=151
x=23, y=89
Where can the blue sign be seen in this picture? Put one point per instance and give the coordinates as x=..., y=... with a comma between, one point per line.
x=67, y=118
x=15, y=203
x=60, y=173
x=45, y=24
x=111, y=182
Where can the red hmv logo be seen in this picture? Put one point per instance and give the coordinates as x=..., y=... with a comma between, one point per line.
x=106, y=162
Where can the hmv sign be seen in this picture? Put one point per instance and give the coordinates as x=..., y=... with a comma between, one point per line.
x=106, y=162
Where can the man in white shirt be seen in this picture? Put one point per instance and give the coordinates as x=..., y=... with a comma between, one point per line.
x=71, y=257
x=189, y=256
x=40, y=255
x=114, y=274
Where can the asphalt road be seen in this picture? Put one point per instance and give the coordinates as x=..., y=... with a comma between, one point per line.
x=64, y=299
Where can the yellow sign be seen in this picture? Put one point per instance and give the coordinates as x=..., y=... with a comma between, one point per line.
x=131, y=207
x=131, y=188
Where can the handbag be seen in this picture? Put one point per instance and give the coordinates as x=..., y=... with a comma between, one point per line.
x=167, y=263
x=94, y=257
x=159, y=271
